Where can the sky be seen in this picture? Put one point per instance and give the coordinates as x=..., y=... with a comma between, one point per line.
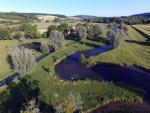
x=77, y=7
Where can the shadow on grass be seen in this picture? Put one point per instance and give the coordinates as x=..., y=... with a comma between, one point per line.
x=12, y=100
x=10, y=62
x=45, y=69
x=99, y=39
x=33, y=45
x=145, y=43
x=90, y=44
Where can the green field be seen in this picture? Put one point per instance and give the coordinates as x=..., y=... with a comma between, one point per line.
x=133, y=51
x=6, y=48
x=145, y=29
x=89, y=91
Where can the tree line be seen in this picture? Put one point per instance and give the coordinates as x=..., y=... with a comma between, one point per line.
x=130, y=20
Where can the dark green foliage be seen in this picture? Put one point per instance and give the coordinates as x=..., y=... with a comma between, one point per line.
x=5, y=34
x=90, y=32
x=50, y=29
x=29, y=31
x=44, y=47
x=83, y=59
x=12, y=100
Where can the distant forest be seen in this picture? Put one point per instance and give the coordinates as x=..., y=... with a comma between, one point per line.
x=130, y=20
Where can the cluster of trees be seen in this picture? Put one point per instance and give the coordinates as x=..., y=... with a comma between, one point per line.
x=24, y=31
x=117, y=34
x=130, y=20
x=87, y=30
x=5, y=34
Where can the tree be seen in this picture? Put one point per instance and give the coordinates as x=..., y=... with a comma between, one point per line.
x=75, y=102
x=124, y=27
x=70, y=104
x=30, y=107
x=97, y=29
x=44, y=47
x=29, y=31
x=56, y=40
x=23, y=60
x=81, y=32
x=82, y=59
x=90, y=32
x=110, y=25
x=114, y=38
x=50, y=29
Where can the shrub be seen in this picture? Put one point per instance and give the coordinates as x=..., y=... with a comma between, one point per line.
x=5, y=34
x=50, y=29
x=83, y=59
x=30, y=107
x=29, y=31
x=44, y=47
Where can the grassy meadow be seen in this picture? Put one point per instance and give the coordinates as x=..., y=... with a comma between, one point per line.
x=134, y=50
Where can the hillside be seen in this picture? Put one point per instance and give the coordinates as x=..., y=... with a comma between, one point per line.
x=146, y=15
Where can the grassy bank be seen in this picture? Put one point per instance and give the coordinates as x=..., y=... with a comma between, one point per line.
x=6, y=49
x=135, y=50
x=91, y=91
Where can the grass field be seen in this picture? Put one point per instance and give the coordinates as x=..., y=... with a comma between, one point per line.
x=132, y=51
x=145, y=29
x=88, y=90
x=135, y=50
x=6, y=48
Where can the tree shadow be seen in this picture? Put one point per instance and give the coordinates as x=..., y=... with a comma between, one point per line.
x=34, y=45
x=19, y=93
x=10, y=62
x=90, y=44
x=45, y=69
x=99, y=39
x=145, y=43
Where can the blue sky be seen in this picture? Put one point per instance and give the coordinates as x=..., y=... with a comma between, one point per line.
x=78, y=7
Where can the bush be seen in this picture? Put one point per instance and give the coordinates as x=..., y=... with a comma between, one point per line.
x=44, y=47
x=50, y=29
x=5, y=34
x=83, y=59
x=29, y=31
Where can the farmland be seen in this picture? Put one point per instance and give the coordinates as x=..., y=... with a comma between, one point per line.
x=82, y=65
